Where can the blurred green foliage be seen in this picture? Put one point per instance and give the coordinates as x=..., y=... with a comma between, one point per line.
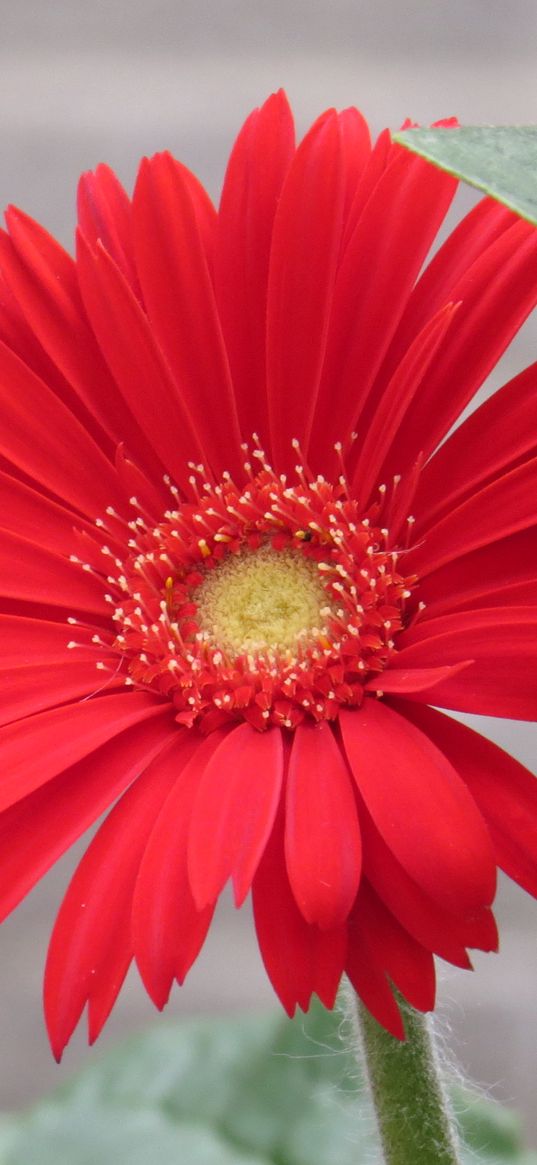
x=248, y=1090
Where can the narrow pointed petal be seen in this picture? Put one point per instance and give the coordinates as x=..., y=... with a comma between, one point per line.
x=382, y=153
x=152, y=495
x=501, y=642
x=41, y=437
x=408, y=964
x=28, y=641
x=322, y=835
x=108, y=977
x=16, y=333
x=370, y=982
x=472, y=236
x=172, y=264
x=38, y=829
x=282, y=932
x=305, y=249
x=30, y=514
x=438, y=930
x=328, y=953
x=395, y=401
x=234, y=812
x=43, y=279
x=399, y=679
x=477, y=578
x=356, y=141
x=299, y=959
x=35, y=750
x=256, y=171
x=136, y=362
x=28, y=573
x=496, y=296
x=372, y=288
x=504, y=790
x=27, y=690
x=493, y=439
x=502, y=508
x=105, y=216
x=167, y=927
x=421, y=807
x=92, y=932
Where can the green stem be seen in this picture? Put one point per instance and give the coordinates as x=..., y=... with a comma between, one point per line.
x=415, y=1125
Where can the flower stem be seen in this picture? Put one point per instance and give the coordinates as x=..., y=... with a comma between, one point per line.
x=415, y=1124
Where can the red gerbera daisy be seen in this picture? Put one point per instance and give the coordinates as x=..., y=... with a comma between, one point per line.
x=239, y=560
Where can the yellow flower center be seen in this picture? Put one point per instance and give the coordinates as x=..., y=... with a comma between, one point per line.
x=262, y=600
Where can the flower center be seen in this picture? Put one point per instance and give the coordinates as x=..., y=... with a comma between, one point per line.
x=262, y=599
x=272, y=603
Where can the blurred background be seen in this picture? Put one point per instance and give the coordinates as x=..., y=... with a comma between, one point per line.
x=111, y=80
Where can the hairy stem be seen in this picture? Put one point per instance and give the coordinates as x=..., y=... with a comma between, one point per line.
x=412, y=1110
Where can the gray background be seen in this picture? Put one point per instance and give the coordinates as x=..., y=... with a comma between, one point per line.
x=81, y=83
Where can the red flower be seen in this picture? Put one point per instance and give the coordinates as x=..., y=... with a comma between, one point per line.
x=239, y=560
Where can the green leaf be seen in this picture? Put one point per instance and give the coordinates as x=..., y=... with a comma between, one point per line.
x=245, y=1091
x=501, y=160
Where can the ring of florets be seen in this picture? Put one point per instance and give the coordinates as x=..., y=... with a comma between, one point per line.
x=339, y=601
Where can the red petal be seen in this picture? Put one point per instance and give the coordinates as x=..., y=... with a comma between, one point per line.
x=500, y=509
x=108, y=977
x=376, y=275
x=406, y=962
x=356, y=141
x=284, y=936
x=91, y=948
x=257, y=167
x=490, y=442
x=299, y=959
x=152, y=495
x=174, y=274
x=501, y=642
x=28, y=690
x=136, y=362
x=39, y=828
x=420, y=806
x=370, y=983
x=305, y=248
x=104, y=215
x=496, y=295
x=478, y=578
x=32, y=516
x=234, y=812
x=328, y=953
x=34, y=641
x=30, y=573
x=41, y=437
x=485, y=223
x=322, y=836
x=16, y=333
x=36, y=749
x=401, y=679
x=436, y=929
x=395, y=401
x=504, y=790
x=382, y=153
x=168, y=929
x=43, y=279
